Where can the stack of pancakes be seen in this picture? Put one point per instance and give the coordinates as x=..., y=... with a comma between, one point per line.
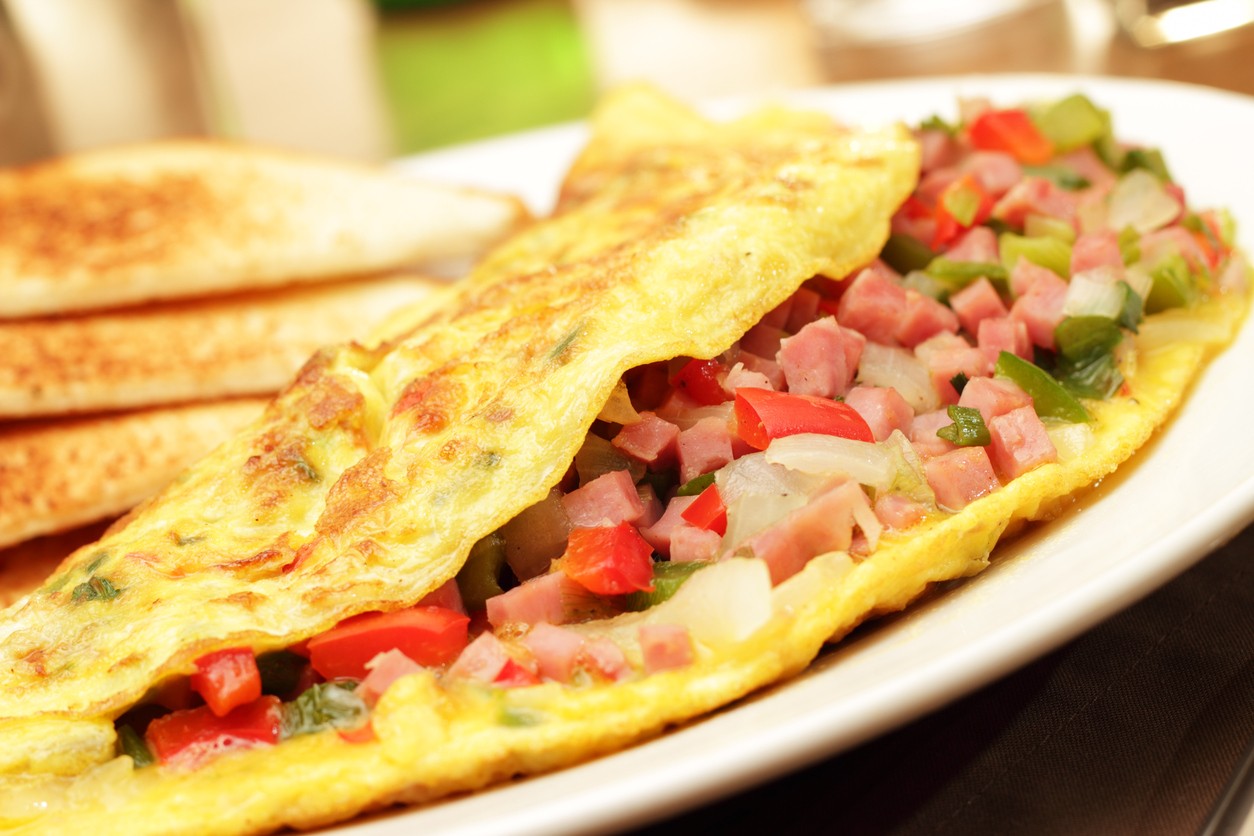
x=152, y=297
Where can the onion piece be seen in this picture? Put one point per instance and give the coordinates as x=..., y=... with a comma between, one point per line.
x=722, y=604
x=1180, y=326
x=1070, y=440
x=753, y=474
x=598, y=457
x=899, y=369
x=1139, y=279
x=831, y=455
x=618, y=409
x=870, y=524
x=537, y=536
x=1139, y=200
x=1094, y=292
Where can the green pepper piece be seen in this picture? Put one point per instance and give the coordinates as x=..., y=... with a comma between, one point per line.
x=1047, y=251
x=1130, y=245
x=695, y=485
x=904, y=253
x=327, y=705
x=1132, y=312
x=1150, y=159
x=1173, y=285
x=132, y=744
x=1060, y=176
x=1071, y=123
x=1043, y=226
x=667, y=578
x=480, y=578
x=968, y=428
x=955, y=275
x=1049, y=398
x=1078, y=337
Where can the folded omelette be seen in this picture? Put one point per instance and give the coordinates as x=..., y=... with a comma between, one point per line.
x=681, y=250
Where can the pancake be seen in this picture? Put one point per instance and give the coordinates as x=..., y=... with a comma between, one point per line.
x=243, y=344
x=56, y=475
x=368, y=481
x=182, y=219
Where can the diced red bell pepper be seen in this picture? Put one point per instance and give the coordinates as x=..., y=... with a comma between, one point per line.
x=763, y=415
x=609, y=560
x=430, y=636
x=707, y=511
x=197, y=732
x=227, y=679
x=1011, y=131
x=514, y=675
x=699, y=380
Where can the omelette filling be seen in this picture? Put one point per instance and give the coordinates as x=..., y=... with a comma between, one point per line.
x=1032, y=248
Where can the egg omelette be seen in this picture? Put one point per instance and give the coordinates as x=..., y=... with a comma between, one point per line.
x=368, y=480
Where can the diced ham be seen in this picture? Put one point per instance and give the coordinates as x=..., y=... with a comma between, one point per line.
x=738, y=377
x=924, y=318
x=384, y=669
x=609, y=499
x=1002, y=333
x=1027, y=273
x=824, y=524
x=978, y=244
x=923, y=435
x=1019, y=443
x=556, y=650
x=1084, y=162
x=1040, y=308
x=804, y=309
x=883, y=408
x=769, y=368
x=1035, y=196
x=816, y=360
x=659, y=534
x=993, y=396
x=937, y=149
x=1097, y=249
x=481, y=661
x=653, y=506
x=946, y=363
x=762, y=340
x=873, y=305
x=651, y=440
x=939, y=342
x=690, y=543
x=920, y=226
x=996, y=171
x=978, y=300
x=898, y=511
x=1160, y=243
x=703, y=447
x=933, y=183
x=960, y=476
x=665, y=647
x=542, y=598
x=446, y=595
x=606, y=658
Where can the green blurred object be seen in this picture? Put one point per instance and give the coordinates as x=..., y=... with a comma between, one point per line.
x=471, y=70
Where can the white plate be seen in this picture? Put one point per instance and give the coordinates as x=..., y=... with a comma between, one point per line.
x=1188, y=493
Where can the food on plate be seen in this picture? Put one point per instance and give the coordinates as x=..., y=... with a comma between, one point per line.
x=25, y=566
x=59, y=474
x=650, y=456
x=178, y=219
x=204, y=349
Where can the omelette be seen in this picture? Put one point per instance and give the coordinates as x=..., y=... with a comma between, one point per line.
x=648, y=457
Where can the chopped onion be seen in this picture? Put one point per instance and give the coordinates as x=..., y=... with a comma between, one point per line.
x=752, y=473
x=687, y=418
x=819, y=575
x=536, y=536
x=1070, y=440
x=1139, y=279
x=899, y=369
x=1139, y=200
x=832, y=455
x=1180, y=326
x=1094, y=292
x=598, y=457
x=910, y=480
x=722, y=604
x=618, y=409
x=751, y=513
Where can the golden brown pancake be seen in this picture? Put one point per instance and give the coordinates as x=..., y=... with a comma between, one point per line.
x=181, y=219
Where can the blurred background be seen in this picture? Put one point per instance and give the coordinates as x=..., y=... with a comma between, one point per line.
x=372, y=79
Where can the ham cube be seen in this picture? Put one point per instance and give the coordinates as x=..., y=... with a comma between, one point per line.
x=1003, y=333
x=705, y=446
x=978, y=244
x=652, y=440
x=768, y=368
x=1026, y=273
x=824, y=524
x=817, y=359
x=665, y=647
x=738, y=377
x=1040, y=308
x=923, y=319
x=556, y=650
x=923, y=437
x=481, y=661
x=607, y=500
x=944, y=364
x=660, y=533
x=883, y=409
x=975, y=302
x=1097, y=249
x=540, y=599
x=804, y=309
x=996, y=171
x=873, y=306
x=1019, y=443
x=385, y=669
x=604, y=657
x=897, y=511
x=960, y=476
x=690, y=543
x=1035, y=196
x=993, y=396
